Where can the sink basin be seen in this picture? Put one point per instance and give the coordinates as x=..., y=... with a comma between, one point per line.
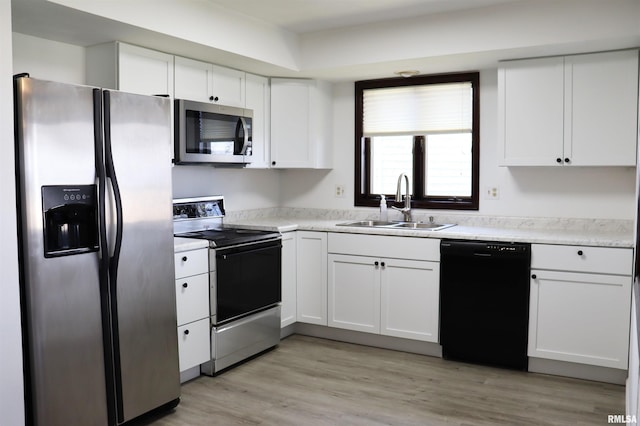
x=426, y=226
x=398, y=225
x=368, y=223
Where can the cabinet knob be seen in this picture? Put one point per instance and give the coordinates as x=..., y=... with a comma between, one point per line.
x=273, y=163
x=184, y=258
x=213, y=98
x=534, y=276
x=580, y=252
x=376, y=263
x=559, y=160
x=567, y=160
x=185, y=285
x=186, y=332
x=382, y=264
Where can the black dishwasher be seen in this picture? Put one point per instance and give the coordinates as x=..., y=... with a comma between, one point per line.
x=484, y=302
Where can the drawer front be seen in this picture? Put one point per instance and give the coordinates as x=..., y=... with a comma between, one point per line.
x=191, y=262
x=415, y=248
x=603, y=260
x=194, y=344
x=192, y=298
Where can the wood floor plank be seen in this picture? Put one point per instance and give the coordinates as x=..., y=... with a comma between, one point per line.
x=311, y=381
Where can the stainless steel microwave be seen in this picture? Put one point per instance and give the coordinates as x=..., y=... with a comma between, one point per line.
x=215, y=134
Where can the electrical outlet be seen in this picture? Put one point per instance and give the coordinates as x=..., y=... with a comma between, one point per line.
x=492, y=193
x=339, y=191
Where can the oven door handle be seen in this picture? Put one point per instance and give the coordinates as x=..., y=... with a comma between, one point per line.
x=239, y=253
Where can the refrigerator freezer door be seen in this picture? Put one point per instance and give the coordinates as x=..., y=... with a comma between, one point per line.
x=55, y=146
x=147, y=344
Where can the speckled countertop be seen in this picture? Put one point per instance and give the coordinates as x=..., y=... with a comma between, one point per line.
x=186, y=244
x=581, y=232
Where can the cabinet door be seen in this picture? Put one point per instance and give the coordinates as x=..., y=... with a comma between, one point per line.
x=192, y=262
x=582, y=318
x=144, y=71
x=311, y=274
x=228, y=86
x=258, y=100
x=603, y=96
x=192, y=80
x=290, y=146
x=354, y=292
x=410, y=299
x=192, y=298
x=531, y=112
x=288, y=311
x=194, y=344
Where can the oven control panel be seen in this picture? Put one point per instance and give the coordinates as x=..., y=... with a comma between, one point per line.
x=195, y=208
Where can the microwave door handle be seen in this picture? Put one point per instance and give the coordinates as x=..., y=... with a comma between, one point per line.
x=245, y=143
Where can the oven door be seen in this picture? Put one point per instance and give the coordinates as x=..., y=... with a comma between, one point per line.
x=248, y=279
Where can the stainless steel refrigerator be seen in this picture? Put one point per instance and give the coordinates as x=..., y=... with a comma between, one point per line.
x=96, y=252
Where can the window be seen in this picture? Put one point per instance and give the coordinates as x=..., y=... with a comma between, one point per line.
x=426, y=127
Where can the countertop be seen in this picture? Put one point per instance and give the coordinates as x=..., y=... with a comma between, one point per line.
x=186, y=244
x=581, y=237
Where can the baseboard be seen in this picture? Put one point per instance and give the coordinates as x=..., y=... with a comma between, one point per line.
x=367, y=339
x=578, y=371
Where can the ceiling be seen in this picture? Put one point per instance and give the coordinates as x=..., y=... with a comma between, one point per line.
x=337, y=34
x=304, y=16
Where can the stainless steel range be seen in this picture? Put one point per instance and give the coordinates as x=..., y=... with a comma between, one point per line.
x=244, y=281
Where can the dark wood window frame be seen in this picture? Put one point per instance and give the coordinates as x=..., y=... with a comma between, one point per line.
x=363, y=197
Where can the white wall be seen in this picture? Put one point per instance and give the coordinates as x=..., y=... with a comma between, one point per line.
x=607, y=192
x=243, y=189
x=11, y=385
x=48, y=60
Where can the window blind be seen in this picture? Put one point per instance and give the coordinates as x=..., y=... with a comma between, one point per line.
x=414, y=110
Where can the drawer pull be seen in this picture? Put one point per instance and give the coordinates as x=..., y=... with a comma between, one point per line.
x=185, y=285
x=186, y=332
x=580, y=253
x=184, y=258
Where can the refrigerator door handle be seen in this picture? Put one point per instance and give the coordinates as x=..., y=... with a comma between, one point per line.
x=117, y=245
x=111, y=175
x=103, y=268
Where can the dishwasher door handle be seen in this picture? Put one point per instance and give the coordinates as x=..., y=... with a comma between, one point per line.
x=482, y=254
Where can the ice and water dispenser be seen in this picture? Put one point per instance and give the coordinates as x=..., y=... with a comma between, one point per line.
x=70, y=219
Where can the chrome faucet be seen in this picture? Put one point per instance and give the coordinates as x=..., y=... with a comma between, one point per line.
x=406, y=210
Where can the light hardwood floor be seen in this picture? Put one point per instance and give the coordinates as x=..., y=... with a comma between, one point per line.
x=311, y=381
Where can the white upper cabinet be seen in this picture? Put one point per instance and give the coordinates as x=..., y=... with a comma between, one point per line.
x=258, y=98
x=300, y=124
x=129, y=68
x=579, y=110
x=204, y=82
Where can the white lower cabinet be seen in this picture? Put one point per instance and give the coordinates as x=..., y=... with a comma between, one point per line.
x=193, y=344
x=384, y=295
x=288, y=309
x=410, y=299
x=311, y=274
x=354, y=292
x=576, y=316
x=192, y=307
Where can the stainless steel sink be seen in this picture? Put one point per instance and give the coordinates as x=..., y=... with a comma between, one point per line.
x=369, y=223
x=426, y=226
x=430, y=226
